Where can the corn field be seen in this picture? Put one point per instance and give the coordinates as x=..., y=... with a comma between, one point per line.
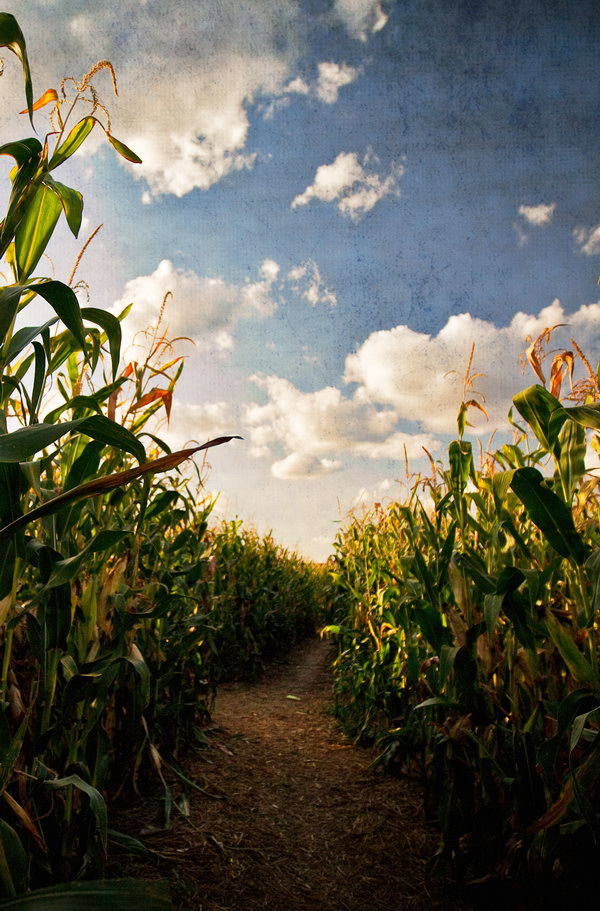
x=467, y=620
x=120, y=608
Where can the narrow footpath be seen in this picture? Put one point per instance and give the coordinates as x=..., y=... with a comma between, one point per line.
x=305, y=823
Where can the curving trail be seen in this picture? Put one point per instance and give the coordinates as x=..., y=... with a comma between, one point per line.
x=305, y=823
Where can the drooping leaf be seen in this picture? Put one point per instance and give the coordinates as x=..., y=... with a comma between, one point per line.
x=549, y=513
x=578, y=665
x=21, y=444
x=110, y=482
x=49, y=96
x=25, y=336
x=122, y=149
x=97, y=803
x=538, y=407
x=71, y=202
x=12, y=37
x=112, y=327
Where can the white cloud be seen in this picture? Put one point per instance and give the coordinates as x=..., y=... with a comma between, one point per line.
x=302, y=465
x=315, y=428
x=306, y=281
x=361, y=17
x=409, y=371
x=539, y=215
x=185, y=86
x=348, y=183
x=203, y=309
x=332, y=77
x=588, y=240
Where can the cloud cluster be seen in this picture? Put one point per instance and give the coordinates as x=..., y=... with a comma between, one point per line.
x=361, y=17
x=203, y=309
x=421, y=376
x=186, y=90
x=588, y=240
x=404, y=376
x=539, y=215
x=315, y=428
x=351, y=184
x=307, y=282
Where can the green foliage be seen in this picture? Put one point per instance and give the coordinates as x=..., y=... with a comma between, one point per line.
x=469, y=643
x=119, y=609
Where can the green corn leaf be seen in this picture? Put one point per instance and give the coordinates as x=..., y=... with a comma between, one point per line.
x=112, y=327
x=22, y=444
x=35, y=230
x=578, y=665
x=64, y=302
x=586, y=415
x=108, y=483
x=25, y=336
x=12, y=37
x=538, y=406
x=460, y=456
x=9, y=305
x=71, y=202
x=13, y=862
x=570, y=450
x=75, y=138
x=97, y=804
x=549, y=513
x=122, y=149
x=592, y=568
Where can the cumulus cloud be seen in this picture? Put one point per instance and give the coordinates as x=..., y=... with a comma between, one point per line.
x=588, y=240
x=352, y=184
x=366, y=495
x=361, y=17
x=315, y=428
x=203, y=309
x=185, y=90
x=332, y=77
x=306, y=281
x=539, y=215
x=420, y=376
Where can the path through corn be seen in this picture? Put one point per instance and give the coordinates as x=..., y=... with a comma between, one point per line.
x=305, y=823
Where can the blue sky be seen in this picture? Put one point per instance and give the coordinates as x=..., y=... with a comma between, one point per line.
x=342, y=196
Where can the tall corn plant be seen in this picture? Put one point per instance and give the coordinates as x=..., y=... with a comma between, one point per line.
x=469, y=640
x=73, y=682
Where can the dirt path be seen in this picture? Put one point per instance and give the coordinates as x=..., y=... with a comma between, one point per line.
x=305, y=823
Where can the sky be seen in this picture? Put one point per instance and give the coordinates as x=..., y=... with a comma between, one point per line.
x=342, y=196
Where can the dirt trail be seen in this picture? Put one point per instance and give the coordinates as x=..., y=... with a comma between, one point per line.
x=305, y=822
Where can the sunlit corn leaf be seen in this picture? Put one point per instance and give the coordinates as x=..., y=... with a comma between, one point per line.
x=25, y=336
x=70, y=145
x=538, y=407
x=24, y=443
x=35, y=230
x=110, y=482
x=112, y=327
x=49, y=96
x=109, y=895
x=549, y=513
x=155, y=395
x=586, y=415
x=71, y=202
x=122, y=149
x=12, y=37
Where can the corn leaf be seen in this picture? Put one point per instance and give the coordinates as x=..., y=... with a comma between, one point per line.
x=549, y=513
x=12, y=37
x=105, y=895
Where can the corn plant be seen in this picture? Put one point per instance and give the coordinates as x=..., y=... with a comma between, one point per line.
x=468, y=638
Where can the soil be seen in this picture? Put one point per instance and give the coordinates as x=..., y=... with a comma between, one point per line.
x=298, y=818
